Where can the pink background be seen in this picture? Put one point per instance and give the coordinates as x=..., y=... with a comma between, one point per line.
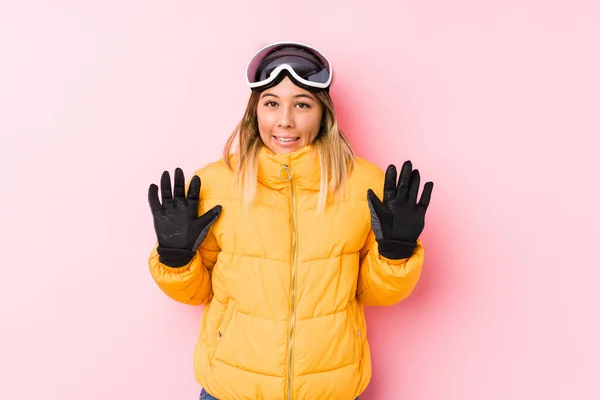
x=497, y=102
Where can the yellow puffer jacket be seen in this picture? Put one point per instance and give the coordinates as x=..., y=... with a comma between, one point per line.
x=283, y=287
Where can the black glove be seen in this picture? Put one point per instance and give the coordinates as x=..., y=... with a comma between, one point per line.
x=178, y=227
x=398, y=221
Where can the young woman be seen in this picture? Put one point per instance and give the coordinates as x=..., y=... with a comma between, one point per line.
x=285, y=240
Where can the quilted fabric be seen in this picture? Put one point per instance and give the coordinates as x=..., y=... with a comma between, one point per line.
x=283, y=287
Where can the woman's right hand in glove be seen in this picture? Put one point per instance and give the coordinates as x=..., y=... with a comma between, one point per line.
x=178, y=228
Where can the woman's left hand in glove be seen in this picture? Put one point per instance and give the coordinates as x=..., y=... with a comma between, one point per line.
x=398, y=220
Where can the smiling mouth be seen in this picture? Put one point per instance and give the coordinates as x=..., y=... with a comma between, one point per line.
x=287, y=139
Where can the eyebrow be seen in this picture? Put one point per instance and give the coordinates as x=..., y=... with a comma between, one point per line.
x=296, y=96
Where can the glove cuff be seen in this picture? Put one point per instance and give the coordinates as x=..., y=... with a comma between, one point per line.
x=395, y=249
x=175, y=258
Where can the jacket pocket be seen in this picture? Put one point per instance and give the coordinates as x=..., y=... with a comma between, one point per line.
x=223, y=323
x=357, y=332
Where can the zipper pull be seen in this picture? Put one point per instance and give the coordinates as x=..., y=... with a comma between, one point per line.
x=285, y=173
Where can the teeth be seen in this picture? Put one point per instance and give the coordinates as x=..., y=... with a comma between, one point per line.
x=286, y=139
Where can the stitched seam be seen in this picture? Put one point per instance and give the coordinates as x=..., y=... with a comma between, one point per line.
x=255, y=204
x=325, y=315
x=246, y=370
x=328, y=370
x=251, y=256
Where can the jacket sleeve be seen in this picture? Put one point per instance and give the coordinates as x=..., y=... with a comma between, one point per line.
x=384, y=282
x=191, y=283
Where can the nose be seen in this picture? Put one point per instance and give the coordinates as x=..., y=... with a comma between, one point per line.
x=285, y=118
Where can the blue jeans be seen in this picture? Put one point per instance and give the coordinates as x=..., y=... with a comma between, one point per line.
x=206, y=396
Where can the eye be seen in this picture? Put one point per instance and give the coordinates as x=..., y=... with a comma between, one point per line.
x=303, y=105
x=268, y=104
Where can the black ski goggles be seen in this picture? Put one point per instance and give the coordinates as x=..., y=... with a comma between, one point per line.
x=303, y=64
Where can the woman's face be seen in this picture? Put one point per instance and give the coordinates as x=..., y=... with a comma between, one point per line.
x=289, y=117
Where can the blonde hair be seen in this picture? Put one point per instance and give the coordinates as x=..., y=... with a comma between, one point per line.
x=336, y=156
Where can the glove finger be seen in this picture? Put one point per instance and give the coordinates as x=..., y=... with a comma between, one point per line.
x=204, y=223
x=194, y=193
x=155, y=206
x=405, y=175
x=165, y=190
x=389, y=186
x=179, y=188
x=213, y=213
x=413, y=190
x=381, y=218
x=378, y=205
x=426, y=196
x=208, y=217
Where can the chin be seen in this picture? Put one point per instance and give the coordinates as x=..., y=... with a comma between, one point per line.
x=277, y=148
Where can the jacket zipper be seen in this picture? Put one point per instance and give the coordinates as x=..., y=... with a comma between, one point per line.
x=294, y=265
